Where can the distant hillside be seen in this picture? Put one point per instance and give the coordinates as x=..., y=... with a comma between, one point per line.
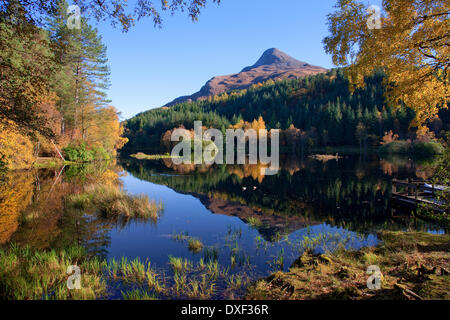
x=320, y=108
x=273, y=64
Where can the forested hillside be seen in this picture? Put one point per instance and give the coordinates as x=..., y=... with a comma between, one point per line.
x=314, y=111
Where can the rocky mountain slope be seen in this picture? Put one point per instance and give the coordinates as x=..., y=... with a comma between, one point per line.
x=273, y=64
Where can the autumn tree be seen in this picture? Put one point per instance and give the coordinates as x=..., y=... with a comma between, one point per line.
x=26, y=65
x=117, y=12
x=410, y=41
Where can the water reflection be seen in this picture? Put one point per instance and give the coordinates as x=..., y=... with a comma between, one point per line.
x=257, y=222
x=348, y=193
x=33, y=208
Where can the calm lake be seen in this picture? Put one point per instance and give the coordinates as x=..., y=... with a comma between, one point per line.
x=252, y=224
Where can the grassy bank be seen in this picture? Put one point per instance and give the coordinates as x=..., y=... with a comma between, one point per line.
x=413, y=266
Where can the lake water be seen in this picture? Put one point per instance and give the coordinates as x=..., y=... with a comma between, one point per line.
x=252, y=224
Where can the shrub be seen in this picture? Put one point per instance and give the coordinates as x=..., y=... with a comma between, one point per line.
x=78, y=153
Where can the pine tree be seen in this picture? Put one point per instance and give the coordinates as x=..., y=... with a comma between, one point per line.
x=83, y=75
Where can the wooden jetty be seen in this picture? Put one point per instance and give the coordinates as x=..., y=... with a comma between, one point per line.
x=411, y=193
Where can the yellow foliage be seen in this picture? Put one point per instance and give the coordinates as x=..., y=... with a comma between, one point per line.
x=255, y=124
x=424, y=134
x=411, y=46
x=101, y=128
x=16, y=147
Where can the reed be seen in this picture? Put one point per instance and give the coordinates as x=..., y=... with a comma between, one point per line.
x=195, y=245
x=179, y=264
x=28, y=274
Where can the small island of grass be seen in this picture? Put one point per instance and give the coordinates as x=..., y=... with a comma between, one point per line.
x=115, y=202
x=143, y=156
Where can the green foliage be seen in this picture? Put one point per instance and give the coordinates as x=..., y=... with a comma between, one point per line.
x=78, y=153
x=254, y=222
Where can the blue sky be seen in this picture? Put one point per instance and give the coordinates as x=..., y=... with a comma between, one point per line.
x=152, y=66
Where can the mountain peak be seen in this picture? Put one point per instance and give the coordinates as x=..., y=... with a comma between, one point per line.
x=274, y=64
x=276, y=57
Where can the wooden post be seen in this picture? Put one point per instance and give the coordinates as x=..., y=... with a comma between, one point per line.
x=394, y=188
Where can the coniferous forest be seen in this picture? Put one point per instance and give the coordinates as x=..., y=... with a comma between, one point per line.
x=315, y=111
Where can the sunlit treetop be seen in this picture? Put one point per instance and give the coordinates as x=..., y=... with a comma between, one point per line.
x=411, y=43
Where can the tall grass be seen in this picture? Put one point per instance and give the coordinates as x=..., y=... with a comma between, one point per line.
x=179, y=264
x=29, y=274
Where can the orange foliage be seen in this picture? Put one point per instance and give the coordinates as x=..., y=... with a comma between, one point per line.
x=389, y=137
